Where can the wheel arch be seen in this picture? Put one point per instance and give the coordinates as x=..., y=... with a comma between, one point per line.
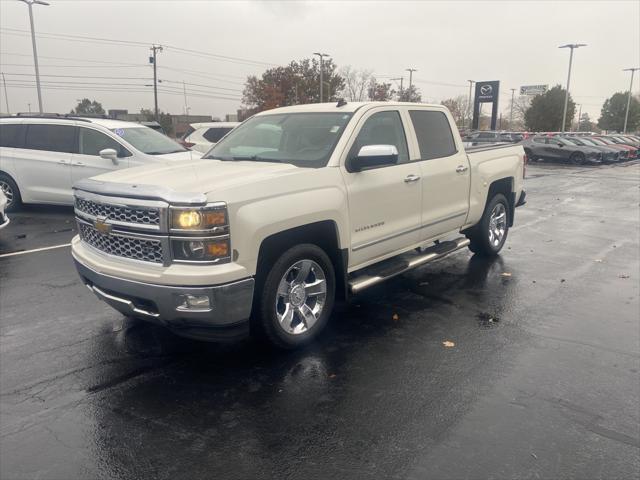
x=505, y=187
x=323, y=234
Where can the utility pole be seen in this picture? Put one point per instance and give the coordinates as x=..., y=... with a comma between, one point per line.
x=411, y=70
x=321, y=55
x=626, y=115
x=184, y=91
x=513, y=92
x=6, y=96
x=401, y=80
x=153, y=59
x=469, y=110
x=571, y=46
x=30, y=3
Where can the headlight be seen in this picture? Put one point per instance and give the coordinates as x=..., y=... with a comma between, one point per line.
x=201, y=250
x=198, y=219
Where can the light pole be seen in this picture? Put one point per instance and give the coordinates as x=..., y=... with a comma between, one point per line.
x=321, y=55
x=33, y=42
x=513, y=92
x=579, y=117
x=626, y=115
x=6, y=95
x=154, y=60
x=471, y=82
x=572, y=46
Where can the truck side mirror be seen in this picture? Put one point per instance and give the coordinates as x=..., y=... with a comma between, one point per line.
x=373, y=156
x=109, y=154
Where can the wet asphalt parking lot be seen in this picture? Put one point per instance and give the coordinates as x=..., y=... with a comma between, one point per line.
x=541, y=378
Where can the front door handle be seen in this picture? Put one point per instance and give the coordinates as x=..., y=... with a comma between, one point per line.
x=461, y=169
x=411, y=178
x=79, y=164
x=63, y=162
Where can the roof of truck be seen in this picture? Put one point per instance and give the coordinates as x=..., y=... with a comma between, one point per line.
x=346, y=107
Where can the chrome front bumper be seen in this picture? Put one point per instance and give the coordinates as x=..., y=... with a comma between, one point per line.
x=230, y=304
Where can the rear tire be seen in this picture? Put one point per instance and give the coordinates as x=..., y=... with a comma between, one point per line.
x=489, y=235
x=297, y=297
x=11, y=191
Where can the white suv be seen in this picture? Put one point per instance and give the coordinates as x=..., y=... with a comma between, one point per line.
x=202, y=136
x=41, y=157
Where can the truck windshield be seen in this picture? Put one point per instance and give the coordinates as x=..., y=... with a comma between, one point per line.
x=302, y=139
x=149, y=141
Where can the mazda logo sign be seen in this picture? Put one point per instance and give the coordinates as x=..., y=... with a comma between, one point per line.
x=486, y=89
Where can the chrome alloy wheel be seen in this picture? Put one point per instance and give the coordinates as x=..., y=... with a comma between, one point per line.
x=497, y=224
x=8, y=192
x=301, y=297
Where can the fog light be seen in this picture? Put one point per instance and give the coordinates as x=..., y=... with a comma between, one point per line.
x=194, y=302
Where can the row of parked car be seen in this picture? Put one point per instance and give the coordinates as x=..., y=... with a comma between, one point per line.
x=41, y=156
x=582, y=149
x=572, y=147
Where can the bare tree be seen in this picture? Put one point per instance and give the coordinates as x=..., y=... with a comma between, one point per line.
x=458, y=108
x=356, y=83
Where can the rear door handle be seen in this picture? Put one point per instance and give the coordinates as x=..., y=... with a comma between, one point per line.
x=79, y=164
x=411, y=178
x=461, y=169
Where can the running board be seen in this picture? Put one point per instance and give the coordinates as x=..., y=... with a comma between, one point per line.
x=379, y=273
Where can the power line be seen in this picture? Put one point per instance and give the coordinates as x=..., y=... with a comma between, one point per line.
x=79, y=76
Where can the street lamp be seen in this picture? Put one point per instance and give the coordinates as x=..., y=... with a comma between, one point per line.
x=30, y=3
x=572, y=46
x=626, y=115
x=410, y=70
x=321, y=55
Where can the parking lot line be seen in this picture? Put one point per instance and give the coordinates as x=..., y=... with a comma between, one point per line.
x=34, y=250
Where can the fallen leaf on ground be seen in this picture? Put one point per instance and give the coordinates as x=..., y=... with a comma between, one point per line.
x=623, y=275
x=505, y=274
x=448, y=344
x=534, y=456
x=598, y=260
x=333, y=375
x=395, y=317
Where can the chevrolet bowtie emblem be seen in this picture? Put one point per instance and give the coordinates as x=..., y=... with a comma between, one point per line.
x=102, y=226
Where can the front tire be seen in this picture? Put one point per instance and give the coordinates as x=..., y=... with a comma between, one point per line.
x=297, y=297
x=11, y=191
x=489, y=235
x=577, y=158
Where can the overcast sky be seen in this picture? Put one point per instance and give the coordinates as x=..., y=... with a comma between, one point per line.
x=448, y=43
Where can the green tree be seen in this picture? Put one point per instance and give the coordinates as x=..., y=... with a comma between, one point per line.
x=614, y=109
x=380, y=92
x=88, y=107
x=296, y=83
x=585, y=124
x=164, y=119
x=410, y=94
x=545, y=112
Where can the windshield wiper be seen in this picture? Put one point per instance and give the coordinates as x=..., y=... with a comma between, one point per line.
x=255, y=158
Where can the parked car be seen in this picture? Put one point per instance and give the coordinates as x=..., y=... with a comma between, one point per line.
x=4, y=219
x=490, y=137
x=633, y=151
x=41, y=157
x=609, y=154
x=296, y=207
x=202, y=136
x=621, y=139
x=560, y=149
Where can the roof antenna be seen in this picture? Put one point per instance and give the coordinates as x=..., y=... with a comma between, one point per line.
x=341, y=102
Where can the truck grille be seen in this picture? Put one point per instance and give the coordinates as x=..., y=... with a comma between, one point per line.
x=122, y=246
x=143, y=216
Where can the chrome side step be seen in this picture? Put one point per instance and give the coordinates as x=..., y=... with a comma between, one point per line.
x=404, y=263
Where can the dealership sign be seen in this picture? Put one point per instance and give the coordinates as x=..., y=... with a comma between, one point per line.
x=486, y=92
x=534, y=89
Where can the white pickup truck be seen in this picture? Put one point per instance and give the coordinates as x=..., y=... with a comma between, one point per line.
x=294, y=209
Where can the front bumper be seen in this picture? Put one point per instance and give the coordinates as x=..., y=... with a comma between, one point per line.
x=227, y=317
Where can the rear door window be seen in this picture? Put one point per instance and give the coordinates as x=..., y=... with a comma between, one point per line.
x=434, y=134
x=52, y=138
x=12, y=135
x=216, y=133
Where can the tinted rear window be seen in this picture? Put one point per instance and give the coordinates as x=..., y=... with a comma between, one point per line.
x=216, y=133
x=53, y=138
x=12, y=135
x=434, y=134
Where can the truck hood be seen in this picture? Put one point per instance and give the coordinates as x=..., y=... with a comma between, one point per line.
x=199, y=176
